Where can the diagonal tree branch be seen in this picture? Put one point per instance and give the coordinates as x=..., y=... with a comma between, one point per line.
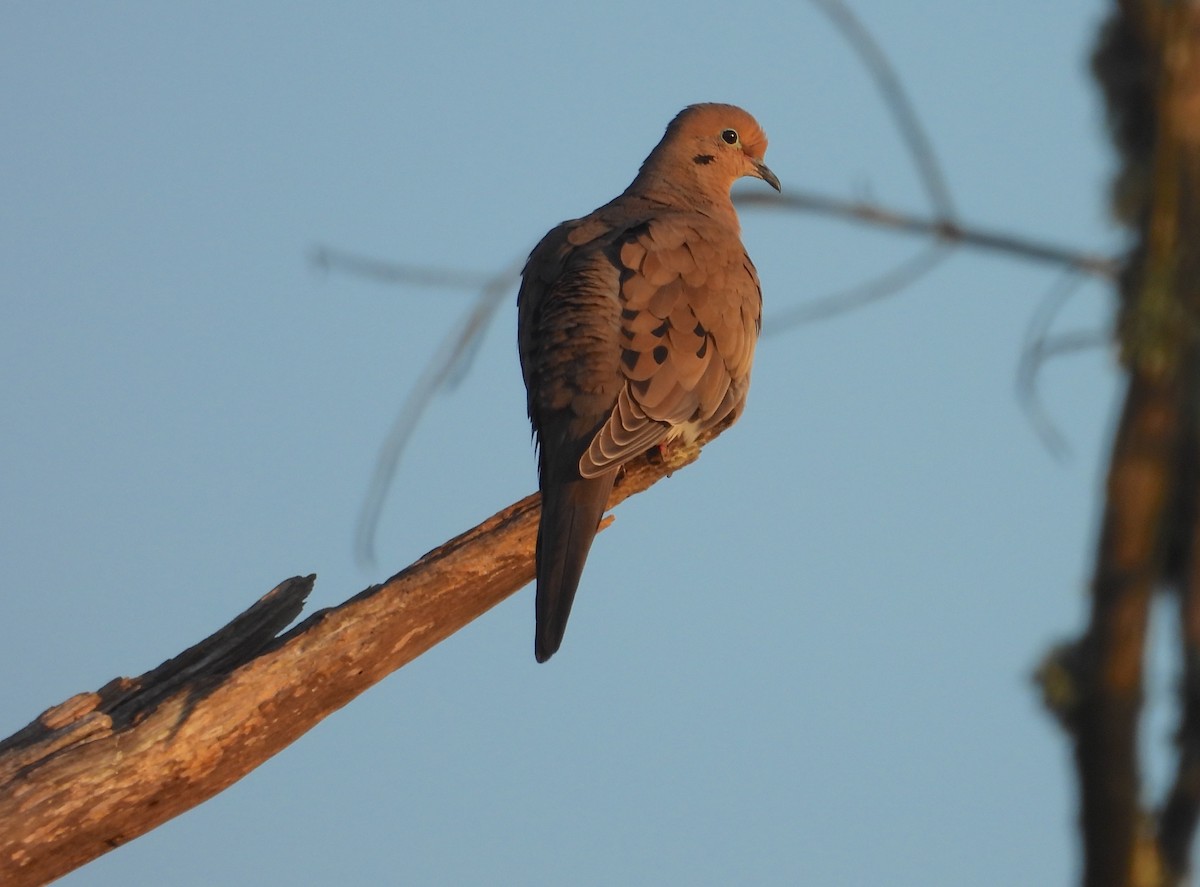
x=104, y=767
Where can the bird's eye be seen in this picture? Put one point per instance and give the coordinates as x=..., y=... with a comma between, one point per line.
x=730, y=136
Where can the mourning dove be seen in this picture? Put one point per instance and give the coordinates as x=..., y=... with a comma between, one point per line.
x=636, y=328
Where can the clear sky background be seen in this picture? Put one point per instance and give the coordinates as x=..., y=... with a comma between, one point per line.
x=804, y=659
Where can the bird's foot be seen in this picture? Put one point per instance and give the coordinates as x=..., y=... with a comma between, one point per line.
x=674, y=455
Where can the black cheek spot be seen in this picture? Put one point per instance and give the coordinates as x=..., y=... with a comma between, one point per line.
x=703, y=159
x=660, y=354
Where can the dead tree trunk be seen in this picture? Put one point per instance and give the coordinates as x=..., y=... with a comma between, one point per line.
x=1148, y=65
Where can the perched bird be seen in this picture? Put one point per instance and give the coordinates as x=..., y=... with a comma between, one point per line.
x=636, y=327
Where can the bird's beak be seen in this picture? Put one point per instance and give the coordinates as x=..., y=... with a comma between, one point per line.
x=766, y=175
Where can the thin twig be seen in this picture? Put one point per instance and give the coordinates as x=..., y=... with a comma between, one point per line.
x=943, y=229
x=326, y=259
x=896, y=100
x=889, y=283
x=447, y=368
x=1034, y=354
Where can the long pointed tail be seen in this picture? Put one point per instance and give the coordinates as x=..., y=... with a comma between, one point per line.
x=571, y=513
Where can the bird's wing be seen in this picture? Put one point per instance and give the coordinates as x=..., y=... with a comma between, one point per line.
x=690, y=309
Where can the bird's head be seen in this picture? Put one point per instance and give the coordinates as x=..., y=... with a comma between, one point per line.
x=714, y=145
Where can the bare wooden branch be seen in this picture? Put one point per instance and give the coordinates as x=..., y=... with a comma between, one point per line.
x=102, y=768
x=1129, y=564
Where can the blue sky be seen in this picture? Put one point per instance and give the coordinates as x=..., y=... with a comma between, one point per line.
x=805, y=659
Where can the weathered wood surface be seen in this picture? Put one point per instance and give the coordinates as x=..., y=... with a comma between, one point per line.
x=104, y=767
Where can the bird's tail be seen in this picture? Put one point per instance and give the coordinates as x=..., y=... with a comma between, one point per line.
x=571, y=512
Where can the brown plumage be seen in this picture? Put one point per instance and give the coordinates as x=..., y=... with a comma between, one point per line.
x=636, y=326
